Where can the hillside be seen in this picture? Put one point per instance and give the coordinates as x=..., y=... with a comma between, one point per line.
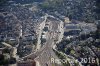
x=83, y=10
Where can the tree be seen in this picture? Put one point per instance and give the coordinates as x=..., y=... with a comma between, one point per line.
x=12, y=60
x=2, y=1
x=6, y=50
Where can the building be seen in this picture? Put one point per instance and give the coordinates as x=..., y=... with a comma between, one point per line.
x=43, y=36
x=67, y=20
x=29, y=37
x=71, y=29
